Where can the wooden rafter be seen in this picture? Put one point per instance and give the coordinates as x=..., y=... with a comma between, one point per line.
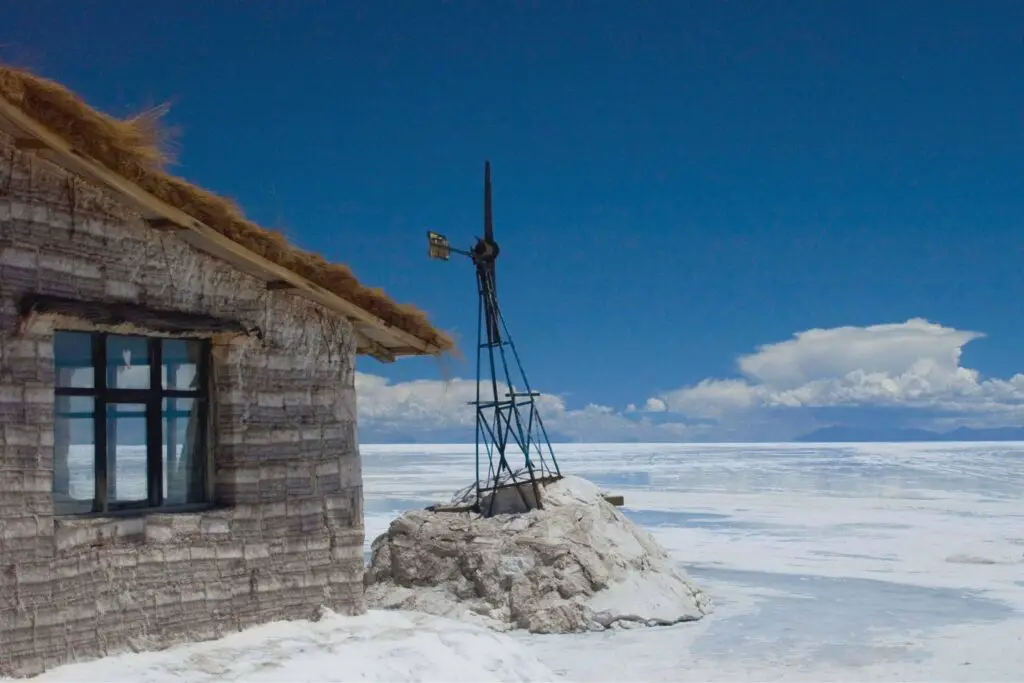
x=28, y=144
x=374, y=348
x=163, y=224
x=124, y=313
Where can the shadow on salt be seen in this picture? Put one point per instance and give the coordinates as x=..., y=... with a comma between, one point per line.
x=826, y=615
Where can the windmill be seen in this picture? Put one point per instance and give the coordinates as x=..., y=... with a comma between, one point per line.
x=510, y=434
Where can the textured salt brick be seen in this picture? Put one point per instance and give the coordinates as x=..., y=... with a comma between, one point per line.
x=284, y=417
x=19, y=258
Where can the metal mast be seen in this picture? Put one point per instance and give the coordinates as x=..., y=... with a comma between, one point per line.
x=511, y=440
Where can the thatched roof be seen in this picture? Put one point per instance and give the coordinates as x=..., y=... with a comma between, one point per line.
x=132, y=149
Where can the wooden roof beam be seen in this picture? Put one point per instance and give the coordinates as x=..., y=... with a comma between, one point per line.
x=370, y=347
x=163, y=224
x=29, y=144
x=197, y=233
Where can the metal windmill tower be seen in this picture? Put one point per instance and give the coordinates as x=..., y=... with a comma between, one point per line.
x=510, y=434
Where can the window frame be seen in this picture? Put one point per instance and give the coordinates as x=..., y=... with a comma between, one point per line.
x=153, y=398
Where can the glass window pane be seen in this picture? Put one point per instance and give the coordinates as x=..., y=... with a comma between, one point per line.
x=180, y=363
x=127, y=362
x=72, y=359
x=184, y=461
x=127, y=468
x=74, y=455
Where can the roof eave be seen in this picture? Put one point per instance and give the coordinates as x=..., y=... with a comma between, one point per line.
x=376, y=337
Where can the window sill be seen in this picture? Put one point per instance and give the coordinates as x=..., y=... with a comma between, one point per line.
x=145, y=526
x=129, y=513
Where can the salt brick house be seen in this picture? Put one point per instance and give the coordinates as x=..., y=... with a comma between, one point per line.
x=178, y=454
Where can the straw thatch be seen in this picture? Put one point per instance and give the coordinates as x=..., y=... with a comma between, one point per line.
x=133, y=149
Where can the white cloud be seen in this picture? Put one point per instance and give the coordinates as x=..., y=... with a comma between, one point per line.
x=427, y=403
x=651, y=405
x=440, y=410
x=889, y=349
x=910, y=370
x=654, y=405
x=915, y=364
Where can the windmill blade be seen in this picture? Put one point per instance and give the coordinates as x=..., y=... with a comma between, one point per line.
x=488, y=225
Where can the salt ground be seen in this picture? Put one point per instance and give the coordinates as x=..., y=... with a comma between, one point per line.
x=825, y=562
x=379, y=646
x=860, y=562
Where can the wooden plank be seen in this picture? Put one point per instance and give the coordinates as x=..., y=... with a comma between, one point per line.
x=279, y=286
x=368, y=345
x=114, y=314
x=450, y=508
x=383, y=358
x=617, y=501
x=163, y=224
x=28, y=144
x=198, y=234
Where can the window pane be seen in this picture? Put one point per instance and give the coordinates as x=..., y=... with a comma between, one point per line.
x=72, y=359
x=74, y=455
x=127, y=362
x=184, y=461
x=180, y=363
x=127, y=469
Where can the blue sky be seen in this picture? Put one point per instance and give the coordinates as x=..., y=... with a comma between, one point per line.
x=676, y=186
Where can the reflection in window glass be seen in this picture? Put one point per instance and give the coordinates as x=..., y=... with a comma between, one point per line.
x=110, y=413
x=126, y=453
x=127, y=362
x=184, y=475
x=72, y=358
x=180, y=363
x=74, y=454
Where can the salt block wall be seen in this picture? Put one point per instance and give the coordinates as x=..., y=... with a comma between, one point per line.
x=287, y=533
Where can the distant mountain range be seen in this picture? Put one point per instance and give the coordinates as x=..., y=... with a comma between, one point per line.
x=833, y=434
x=842, y=434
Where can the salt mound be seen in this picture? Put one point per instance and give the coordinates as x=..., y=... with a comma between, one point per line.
x=577, y=564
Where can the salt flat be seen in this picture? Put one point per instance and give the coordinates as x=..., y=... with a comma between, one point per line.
x=827, y=562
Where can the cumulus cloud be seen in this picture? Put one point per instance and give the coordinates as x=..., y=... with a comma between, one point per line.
x=651, y=405
x=908, y=373
x=914, y=364
x=890, y=349
x=654, y=405
x=436, y=410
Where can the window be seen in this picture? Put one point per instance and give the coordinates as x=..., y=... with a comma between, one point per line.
x=129, y=422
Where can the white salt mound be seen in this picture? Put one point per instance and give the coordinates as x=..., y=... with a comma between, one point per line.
x=578, y=564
